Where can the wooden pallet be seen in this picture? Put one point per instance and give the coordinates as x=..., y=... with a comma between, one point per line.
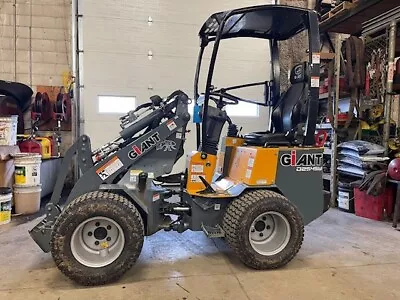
x=336, y=11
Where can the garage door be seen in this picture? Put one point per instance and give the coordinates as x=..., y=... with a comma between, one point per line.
x=137, y=48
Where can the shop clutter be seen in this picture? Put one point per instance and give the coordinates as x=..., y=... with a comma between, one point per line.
x=359, y=106
x=20, y=174
x=365, y=180
x=24, y=148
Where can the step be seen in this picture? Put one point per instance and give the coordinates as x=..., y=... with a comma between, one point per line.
x=213, y=232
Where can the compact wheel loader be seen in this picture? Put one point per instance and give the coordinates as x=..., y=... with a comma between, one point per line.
x=257, y=191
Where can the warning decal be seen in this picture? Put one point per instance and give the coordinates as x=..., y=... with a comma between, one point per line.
x=109, y=168
x=171, y=125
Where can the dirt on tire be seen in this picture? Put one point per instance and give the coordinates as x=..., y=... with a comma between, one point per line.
x=94, y=204
x=237, y=221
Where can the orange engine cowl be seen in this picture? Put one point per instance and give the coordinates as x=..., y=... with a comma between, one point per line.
x=199, y=164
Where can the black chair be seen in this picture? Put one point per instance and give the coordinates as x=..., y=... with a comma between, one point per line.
x=287, y=113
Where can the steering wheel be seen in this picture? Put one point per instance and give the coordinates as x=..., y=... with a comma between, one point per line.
x=224, y=98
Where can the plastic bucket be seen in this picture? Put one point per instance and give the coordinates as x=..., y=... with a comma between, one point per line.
x=5, y=205
x=27, y=169
x=8, y=130
x=27, y=199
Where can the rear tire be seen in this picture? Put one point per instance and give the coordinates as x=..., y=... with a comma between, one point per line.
x=263, y=229
x=97, y=238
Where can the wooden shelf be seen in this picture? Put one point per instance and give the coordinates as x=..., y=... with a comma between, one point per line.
x=341, y=97
x=327, y=55
x=350, y=20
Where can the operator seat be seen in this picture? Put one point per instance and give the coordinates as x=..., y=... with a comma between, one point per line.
x=287, y=113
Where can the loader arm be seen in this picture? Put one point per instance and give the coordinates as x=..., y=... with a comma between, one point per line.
x=133, y=147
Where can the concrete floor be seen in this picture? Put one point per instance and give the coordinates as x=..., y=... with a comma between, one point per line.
x=343, y=257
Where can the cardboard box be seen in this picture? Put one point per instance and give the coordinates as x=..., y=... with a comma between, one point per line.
x=7, y=165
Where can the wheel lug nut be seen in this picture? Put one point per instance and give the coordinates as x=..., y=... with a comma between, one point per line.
x=96, y=243
x=108, y=239
x=109, y=227
x=253, y=230
x=90, y=233
x=261, y=234
x=97, y=224
x=264, y=218
x=268, y=227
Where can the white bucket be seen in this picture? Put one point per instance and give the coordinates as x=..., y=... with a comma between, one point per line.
x=27, y=169
x=8, y=130
x=27, y=199
x=5, y=205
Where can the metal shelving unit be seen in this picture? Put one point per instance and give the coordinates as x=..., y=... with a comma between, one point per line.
x=350, y=21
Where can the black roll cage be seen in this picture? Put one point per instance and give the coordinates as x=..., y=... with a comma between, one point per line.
x=217, y=28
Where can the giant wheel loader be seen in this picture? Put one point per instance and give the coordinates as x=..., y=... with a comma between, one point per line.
x=257, y=191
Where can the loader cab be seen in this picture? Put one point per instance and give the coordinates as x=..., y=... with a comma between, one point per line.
x=293, y=114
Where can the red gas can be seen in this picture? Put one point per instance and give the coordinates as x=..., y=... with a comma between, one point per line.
x=30, y=146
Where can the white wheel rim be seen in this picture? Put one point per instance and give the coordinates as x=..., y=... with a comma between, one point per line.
x=269, y=233
x=97, y=242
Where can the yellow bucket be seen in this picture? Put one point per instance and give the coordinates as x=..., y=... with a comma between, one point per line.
x=27, y=169
x=5, y=205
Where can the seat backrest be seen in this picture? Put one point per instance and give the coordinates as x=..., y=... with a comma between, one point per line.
x=286, y=115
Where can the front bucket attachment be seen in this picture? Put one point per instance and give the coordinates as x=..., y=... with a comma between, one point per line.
x=41, y=234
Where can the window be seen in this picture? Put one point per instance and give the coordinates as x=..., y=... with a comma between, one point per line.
x=243, y=109
x=116, y=104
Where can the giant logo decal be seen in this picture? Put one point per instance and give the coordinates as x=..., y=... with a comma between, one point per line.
x=145, y=146
x=305, y=163
x=167, y=145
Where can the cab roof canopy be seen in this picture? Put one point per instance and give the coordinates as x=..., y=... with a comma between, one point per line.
x=274, y=22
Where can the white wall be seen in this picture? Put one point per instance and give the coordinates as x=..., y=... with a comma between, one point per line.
x=35, y=48
x=117, y=38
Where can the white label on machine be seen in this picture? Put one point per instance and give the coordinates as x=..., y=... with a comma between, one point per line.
x=133, y=174
x=248, y=173
x=314, y=82
x=217, y=206
x=171, y=125
x=109, y=168
x=179, y=135
x=316, y=58
x=344, y=203
x=156, y=197
x=250, y=163
x=196, y=178
x=197, y=168
x=344, y=195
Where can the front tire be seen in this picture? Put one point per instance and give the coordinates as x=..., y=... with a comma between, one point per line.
x=263, y=229
x=97, y=238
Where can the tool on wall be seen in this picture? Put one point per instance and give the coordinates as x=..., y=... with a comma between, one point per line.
x=61, y=113
x=40, y=111
x=355, y=73
x=377, y=74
